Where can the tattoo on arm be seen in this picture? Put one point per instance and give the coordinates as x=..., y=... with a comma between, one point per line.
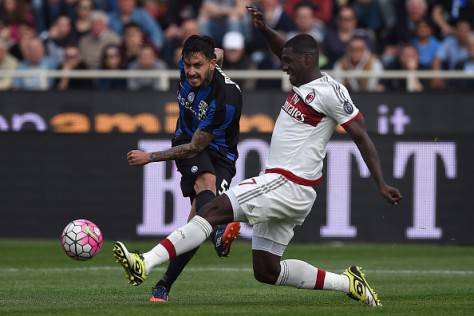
x=199, y=141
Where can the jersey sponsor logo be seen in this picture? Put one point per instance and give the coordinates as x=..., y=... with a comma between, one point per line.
x=297, y=109
x=310, y=97
x=202, y=110
x=348, y=108
x=186, y=103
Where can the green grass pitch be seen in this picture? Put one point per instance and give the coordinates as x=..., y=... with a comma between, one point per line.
x=36, y=278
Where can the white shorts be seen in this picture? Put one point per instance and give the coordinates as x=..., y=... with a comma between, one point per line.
x=274, y=206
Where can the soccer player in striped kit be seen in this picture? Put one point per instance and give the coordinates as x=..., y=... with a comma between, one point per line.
x=204, y=145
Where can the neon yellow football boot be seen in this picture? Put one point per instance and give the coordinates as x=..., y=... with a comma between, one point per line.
x=131, y=262
x=359, y=288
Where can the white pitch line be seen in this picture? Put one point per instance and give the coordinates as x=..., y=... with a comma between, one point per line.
x=224, y=269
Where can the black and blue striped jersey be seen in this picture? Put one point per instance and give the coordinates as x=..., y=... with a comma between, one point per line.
x=214, y=108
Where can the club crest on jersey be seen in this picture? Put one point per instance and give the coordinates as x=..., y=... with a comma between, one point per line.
x=202, y=110
x=348, y=108
x=310, y=97
x=190, y=97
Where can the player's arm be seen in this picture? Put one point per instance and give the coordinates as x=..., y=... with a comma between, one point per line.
x=274, y=40
x=199, y=141
x=357, y=130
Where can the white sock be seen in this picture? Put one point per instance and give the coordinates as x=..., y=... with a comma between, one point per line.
x=299, y=274
x=180, y=241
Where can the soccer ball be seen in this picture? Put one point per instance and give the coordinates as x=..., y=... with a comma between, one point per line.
x=81, y=239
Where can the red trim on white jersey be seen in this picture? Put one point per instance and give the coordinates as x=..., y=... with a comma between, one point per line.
x=357, y=117
x=294, y=178
x=300, y=111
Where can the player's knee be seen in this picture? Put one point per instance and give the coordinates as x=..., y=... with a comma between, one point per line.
x=205, y=181
x=209, y=210
x=267, y=275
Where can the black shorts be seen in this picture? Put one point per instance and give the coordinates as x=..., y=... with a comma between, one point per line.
x=210, y=161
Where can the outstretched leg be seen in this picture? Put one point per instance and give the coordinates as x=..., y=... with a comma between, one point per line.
x=296, y=273
x=186, y=238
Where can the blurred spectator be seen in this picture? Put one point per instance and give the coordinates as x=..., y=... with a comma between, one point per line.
x=35, y=59
x=177, y=36
x=58, y=36
x=389, y=12
x=47, y=11
x=359, y=57
x=177, y=54
x=467, y=65
x=92, y=44
x=106, y=5
x=306, y=22
x=447, y=12
x=180, y=11
x=147, y=60
x=26, y=33
x=72, y=61
x=112, y=60
x=219, y=16
x=369, y=14
x=277, y=19
x=425, y=43
x=12, y=14
x=322, y=13
x=453, y=48
x=407, y=60
x=158, y=10
x=7, y=62
x=235, y=58
x=413, y=12
x=335, y=41
x=83, y=21
x=133, y=41
x=128, y=12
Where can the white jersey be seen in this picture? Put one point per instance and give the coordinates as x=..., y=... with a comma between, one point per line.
x=305, y=124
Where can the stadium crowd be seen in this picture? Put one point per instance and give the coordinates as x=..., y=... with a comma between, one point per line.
x=370, y=35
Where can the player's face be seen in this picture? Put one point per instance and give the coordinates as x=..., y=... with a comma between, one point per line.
x=198, y=69
x=293, y=64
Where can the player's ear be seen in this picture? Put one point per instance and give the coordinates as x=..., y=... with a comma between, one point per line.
x=213, y=63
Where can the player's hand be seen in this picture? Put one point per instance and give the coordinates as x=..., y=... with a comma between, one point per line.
x=257, y=17
x=138, y=158
x=391, y=194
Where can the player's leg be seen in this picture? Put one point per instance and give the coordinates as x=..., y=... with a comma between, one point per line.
x=269, y=242
x=160, y=292
x=223, y=235
x=191, y=235
x=199, y=183
x=184, y=239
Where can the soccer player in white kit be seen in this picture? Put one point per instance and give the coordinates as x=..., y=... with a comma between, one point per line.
x=282, y=196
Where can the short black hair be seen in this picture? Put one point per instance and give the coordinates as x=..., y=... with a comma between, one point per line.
x=199, y=44
x=303, y=44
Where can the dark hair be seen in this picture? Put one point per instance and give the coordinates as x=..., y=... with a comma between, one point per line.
x=103, y=57
x=199, y=44
x=304, y=44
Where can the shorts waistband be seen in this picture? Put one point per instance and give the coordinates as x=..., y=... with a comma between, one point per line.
x=294, y=178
